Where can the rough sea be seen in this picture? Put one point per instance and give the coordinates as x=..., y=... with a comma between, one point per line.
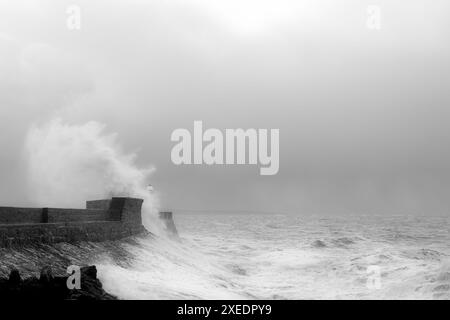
x=250, y=256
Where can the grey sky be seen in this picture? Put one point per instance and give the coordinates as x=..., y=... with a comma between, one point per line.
x=363, y=115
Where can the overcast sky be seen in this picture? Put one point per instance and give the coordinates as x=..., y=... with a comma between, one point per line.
x=364, y=115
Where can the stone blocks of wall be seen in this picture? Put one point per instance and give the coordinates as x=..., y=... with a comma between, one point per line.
x=13, y=215
x=21, y=235
x=73, y=215
x=128, y=208
x=102, y=220
x=99, y=204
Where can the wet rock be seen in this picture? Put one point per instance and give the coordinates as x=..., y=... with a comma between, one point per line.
x=46, y=275
x=14, y=278
x=50, y=287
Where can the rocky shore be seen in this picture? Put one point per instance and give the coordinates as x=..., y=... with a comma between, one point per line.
x=50, y=287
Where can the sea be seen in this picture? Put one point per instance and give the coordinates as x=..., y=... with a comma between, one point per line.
x=282, y=256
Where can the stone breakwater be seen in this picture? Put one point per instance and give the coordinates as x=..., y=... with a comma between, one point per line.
x=33, y=239
x=102, y=220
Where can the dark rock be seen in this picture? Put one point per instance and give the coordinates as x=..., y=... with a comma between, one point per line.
x=49, y=287
x=89, y=272
x=46, y=275
x=14, y=278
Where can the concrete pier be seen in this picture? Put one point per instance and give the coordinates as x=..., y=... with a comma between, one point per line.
x=108, y=219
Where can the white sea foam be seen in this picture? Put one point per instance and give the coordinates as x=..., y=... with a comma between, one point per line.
x=235, y=256
x=239, y=257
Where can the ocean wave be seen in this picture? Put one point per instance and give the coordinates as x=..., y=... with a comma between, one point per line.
x=319, y=244
x=236, y=269
x=220, y=261
x=342, y=242
x=424, y=254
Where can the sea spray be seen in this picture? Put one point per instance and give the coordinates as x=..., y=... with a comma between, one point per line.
x=68, y=164
x=165, y=269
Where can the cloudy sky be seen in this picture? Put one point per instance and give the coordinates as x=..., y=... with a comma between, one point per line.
x=363, y=114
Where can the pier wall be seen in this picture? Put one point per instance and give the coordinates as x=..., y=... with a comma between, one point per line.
x=102, y=220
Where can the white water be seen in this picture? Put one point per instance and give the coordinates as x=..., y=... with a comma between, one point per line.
x=289, y=257
x=236, y=256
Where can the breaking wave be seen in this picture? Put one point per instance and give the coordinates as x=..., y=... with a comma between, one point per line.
x=223, y=256
x=69, y=164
